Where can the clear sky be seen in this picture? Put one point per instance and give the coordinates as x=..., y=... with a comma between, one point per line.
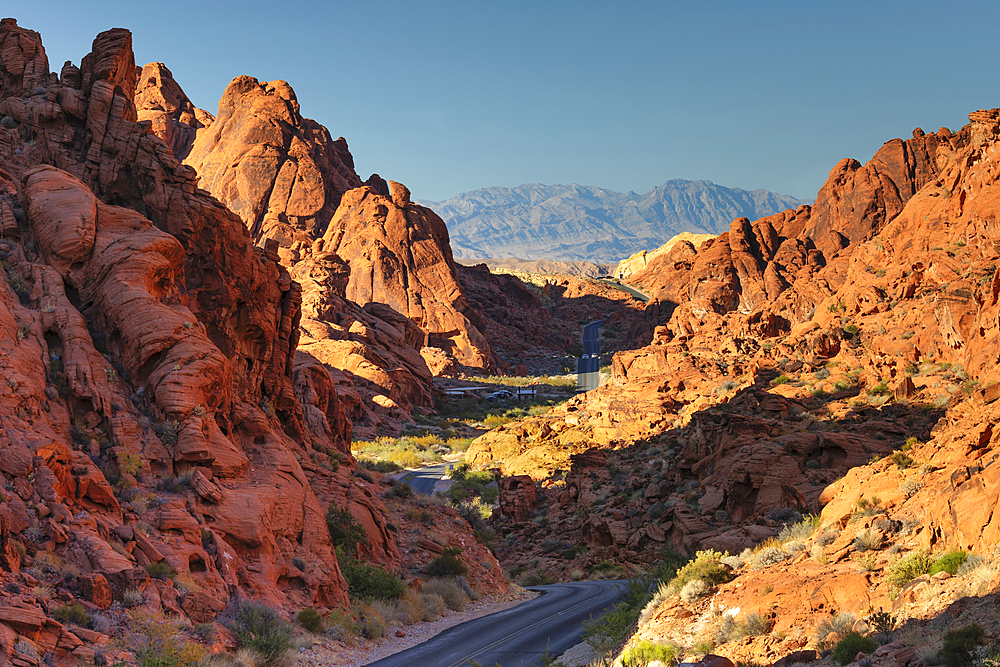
x=453, y=96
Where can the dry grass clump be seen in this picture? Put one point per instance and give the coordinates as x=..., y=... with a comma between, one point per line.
x=450, y=591
x=433, y=605
x=830, y=630
x=693, y=590
x=752, y=625
x=868, y=539
x=769, y=556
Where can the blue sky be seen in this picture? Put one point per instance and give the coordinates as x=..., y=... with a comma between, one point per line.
x=453, y=96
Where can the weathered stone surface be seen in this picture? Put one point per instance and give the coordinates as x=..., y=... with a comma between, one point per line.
x=517, y=497
x=281, y=173
x=171, y=116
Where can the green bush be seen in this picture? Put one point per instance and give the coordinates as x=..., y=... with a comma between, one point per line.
x=160, y=570
x=449, y=590
x=646, y=652
x=706, y=567
x=902, y=461
x=259, y=627
x=447, y=564
x=370, y=582
x=346, y=532
x=959, y=645
x=376, y=465
x=400, y=490
x=848, y=648
x=72, y=613
x=781, y=379
x=950, y=562
x=908, y=568
x=156, y=641
x=311, y=620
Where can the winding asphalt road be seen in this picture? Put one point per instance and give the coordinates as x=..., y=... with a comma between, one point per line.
x=424, y=479
x=588, y=366
x=516, y=637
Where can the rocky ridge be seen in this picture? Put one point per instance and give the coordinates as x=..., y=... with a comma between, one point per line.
x=156, y=410
x=292, y=183
x=855, y=337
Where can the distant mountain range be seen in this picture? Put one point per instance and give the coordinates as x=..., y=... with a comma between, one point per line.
x=577, y=222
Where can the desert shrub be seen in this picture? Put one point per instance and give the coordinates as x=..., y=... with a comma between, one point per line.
x=881, y=389
x=734, y=562
x=956, y=651
x=882, y=621
x=311, y=620
x=795, y=546
x=693, y=590
x=535, y=579
x=800, y=530
x=371, y=623
x=450, y=591
x=950, y=562
x=259, y=627
x=400, y=490
x=447, y=564
x=368, y=582
x=868, y=539
x=756, y=625
x=752, y=625
x=346, y=532
x=768, y=556
x=132, y=597
x=610, y=629
x=159, y=642
x=392, y=611
x=908, y=487
x=376, y=465
x=907, y=568
x=27, y=648
x=781, y=379
x=852, y=644
x=837, y=625
x=433, y=605
x=244, y=657
x=645, y=652
x=705, y=566
x=72, y=613
x=901, y=459
x=160, y=570
x=574, y=551
x=205, y=631
x=659, y=596
x=185, y=583
x=826, y=538
x=340, y=625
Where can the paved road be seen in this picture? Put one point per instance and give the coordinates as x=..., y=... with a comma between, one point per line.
x=516, y=637
x=587, y=367
x=631, y=290
x=424, y=479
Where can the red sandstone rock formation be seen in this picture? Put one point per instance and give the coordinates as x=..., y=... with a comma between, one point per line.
x=281, y=173
x=286, y=178
x=144, y=337
x=400, y=257
x=171, y=116
x=759, y=391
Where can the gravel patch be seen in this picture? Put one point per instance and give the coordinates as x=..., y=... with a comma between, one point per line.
x=362, y=652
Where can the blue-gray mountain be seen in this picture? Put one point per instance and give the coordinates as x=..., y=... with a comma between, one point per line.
x=577, y=222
